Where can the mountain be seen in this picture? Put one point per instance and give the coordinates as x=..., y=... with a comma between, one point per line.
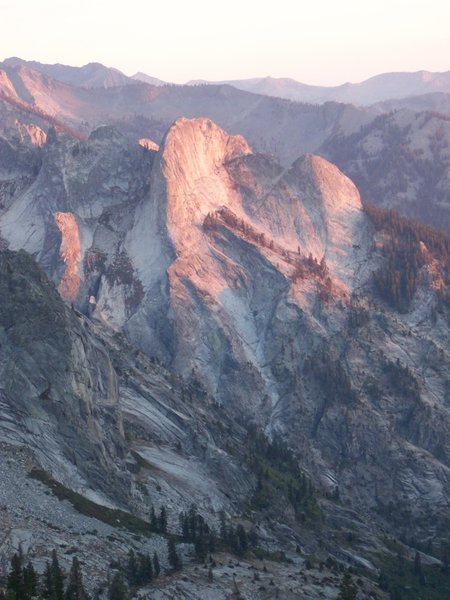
x=47, y=404
x=401, y=160
x=270, y=346
x=139, y=76
x=271, y=125
x=380, y=88
x=386, y=86
x=435, y=102
x=92, y=75
x=370, y=148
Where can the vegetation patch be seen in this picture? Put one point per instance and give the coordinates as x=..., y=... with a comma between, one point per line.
x=111, y=516
x=277, y=471
x=396, y=280
x=410, y=580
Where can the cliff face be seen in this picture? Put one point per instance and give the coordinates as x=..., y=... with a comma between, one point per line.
x=258, y=281
x=59, y=392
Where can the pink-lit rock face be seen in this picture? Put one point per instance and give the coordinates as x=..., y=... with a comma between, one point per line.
x=148, y=144
x=71, y=253
x=32, y=133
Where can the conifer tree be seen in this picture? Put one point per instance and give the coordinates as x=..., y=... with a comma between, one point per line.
x=417, y=564
x=48, y=590
x=172, y=556
x=223, y=528
x=162, y=521
x=57, y=577
x=30, y=581
x=445, y=561
x=200, y=548
x=117, y=589
x=153, y=519
x=132, y=568
x=145, y=574
x=156, y=565
x=184, y=524
x=348, y=589
x=15, y=577
x=212, y=541
x=242, y=538
x=75, y=588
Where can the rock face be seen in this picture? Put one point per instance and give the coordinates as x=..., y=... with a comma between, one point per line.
x=69, y=285
x=79, y=199
x=258, y=281
x=396, y=151
x=59, y=392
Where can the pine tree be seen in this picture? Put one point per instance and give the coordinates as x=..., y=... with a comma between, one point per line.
x=172, y=556
x=192, y=518
x=212, y=541
x=253, y=538
x=153, y=519
x=162, y=521
x=418, y=568
x=117, y=589
x=348, y=589
x=15, y=577
x=223, y=528
x=30, y=581
x=200, y=548
x=132, y=568
x=445, y=561
x=48, y=589
x=145, y=574
x=185, y=528
x=243, y=539
x=156, y=565
x=75, y=589
x=233, y=539
x=57, y=577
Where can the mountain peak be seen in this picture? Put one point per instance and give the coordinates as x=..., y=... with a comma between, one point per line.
x=204, y=134
x=325, y=177
x=91, y=75
x=194, y=152
x=144, y=78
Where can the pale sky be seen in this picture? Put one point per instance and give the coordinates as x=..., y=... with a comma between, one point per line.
x=322, y=42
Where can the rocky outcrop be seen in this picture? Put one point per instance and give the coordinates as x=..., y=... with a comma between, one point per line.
x=69, y=285
x=148, y=144
x=58, y=390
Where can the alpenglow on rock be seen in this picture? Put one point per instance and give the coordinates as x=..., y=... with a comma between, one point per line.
x=261, y=282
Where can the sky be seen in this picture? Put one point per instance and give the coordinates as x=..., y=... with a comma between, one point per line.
x=320, y=42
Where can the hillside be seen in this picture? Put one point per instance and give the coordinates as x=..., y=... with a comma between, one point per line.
x=401, y=160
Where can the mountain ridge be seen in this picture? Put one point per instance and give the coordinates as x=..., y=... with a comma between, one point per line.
x=377, y=88
x=262, y=333
x=91, y=75
x=385, y=86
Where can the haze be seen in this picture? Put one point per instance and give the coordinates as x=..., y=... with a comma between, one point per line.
x=324, y=43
